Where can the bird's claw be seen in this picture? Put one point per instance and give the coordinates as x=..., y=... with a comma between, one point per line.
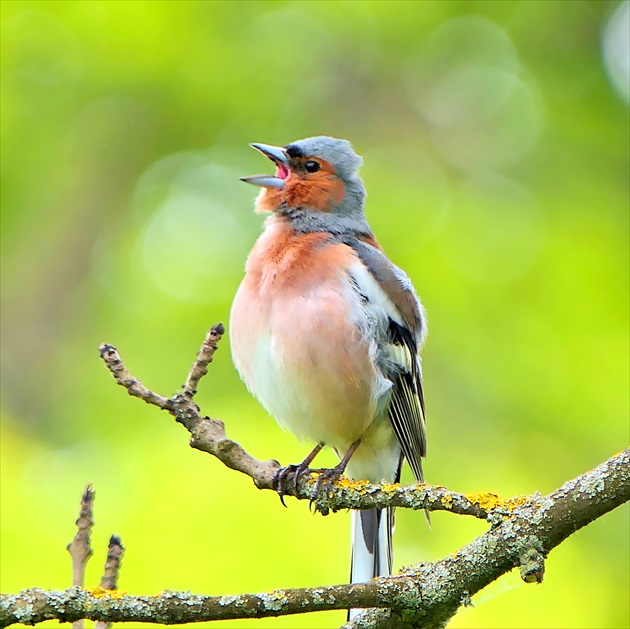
x=288, y=477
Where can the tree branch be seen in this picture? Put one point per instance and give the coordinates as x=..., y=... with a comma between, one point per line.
x=524, y=530
x=79, y=548
x=426, y=595
x=204, y=357
x=209, y=435
x=115, y=553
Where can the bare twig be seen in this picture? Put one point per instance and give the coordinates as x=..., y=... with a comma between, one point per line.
x=200, y=367
x=423, y=596
x=115, y=553
x=79, y=547
x=208, y=435
x=134, y=387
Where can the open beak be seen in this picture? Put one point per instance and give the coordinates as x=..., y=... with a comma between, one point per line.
x=279, y=157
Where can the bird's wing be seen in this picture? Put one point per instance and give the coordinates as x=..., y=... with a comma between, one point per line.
x=402, y=329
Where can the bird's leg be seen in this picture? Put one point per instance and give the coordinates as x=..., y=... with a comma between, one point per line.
x=293, y=472
x=328, y=476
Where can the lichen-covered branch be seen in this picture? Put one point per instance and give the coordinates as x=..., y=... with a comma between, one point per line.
x=523, y=540
x=524, y=530
x=209, y=435
x=423, y=596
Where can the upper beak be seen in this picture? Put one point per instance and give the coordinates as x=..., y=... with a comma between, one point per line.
x=277, y=155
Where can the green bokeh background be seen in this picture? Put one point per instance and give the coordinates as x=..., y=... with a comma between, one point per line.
x=495, y=137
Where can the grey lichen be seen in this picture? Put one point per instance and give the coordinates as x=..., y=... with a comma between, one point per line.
x=532, y=566
x=273, y=601
x=318, y=596
x=425, y=595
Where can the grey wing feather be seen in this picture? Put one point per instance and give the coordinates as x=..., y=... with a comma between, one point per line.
x=406, y=408
x=403, y=326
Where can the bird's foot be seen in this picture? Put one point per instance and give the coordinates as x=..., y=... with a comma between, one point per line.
x=326, y=478
x=329, y=476
x=287, y=477
x=291, y=474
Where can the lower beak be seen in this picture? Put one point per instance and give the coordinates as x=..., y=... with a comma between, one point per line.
x=266, y=181
x=279, y=157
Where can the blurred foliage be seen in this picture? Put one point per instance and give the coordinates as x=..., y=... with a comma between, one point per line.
x=495, y=137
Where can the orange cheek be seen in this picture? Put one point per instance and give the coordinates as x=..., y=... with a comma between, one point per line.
x=316, y=193
x=320, y=193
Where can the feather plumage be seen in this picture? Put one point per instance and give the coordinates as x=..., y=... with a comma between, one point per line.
x=399, y=329
x=326, y=331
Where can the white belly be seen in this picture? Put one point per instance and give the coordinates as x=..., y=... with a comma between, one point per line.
x=309, y=362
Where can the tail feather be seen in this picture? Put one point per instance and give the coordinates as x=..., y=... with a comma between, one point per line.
x=371, y=546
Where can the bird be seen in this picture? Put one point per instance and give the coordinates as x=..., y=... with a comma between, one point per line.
x=325, y=331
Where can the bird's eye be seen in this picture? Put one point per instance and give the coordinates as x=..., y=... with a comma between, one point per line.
x=312, y=166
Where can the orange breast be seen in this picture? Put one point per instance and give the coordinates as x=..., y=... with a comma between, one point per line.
x=298, y=337
x=285, y=262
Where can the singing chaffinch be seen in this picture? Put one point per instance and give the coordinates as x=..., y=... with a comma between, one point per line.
x=325, y=331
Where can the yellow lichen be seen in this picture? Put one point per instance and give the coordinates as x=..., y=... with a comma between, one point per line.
x=390, y=488
x=516, y=501
x=359, y=486
x=99, y=592
x=447, y=500
x=488, y=501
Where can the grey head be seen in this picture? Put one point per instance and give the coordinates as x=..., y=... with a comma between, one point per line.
x=306, y=171
x=338, y=153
